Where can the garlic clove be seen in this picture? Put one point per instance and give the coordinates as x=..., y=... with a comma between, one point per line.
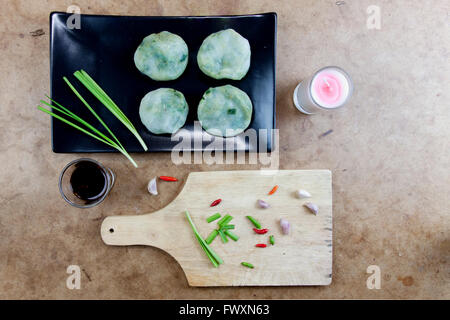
x=263, y=204
x=285, y=226
x=312, y=207
x=151, y=187
x=303, y=194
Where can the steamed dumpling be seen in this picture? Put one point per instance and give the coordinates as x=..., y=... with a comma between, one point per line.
x=163, y=110
x=225, y=111
x=224, y=55
x=162, y=56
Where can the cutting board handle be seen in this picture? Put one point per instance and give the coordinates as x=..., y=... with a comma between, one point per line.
x=133, y=230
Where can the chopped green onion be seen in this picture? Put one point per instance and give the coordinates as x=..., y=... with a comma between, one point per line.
x=248, y=265
x=213, y=217
x=231, y=235
x=272, y=240
x=101, y=95
x=224, y=221
x=222, y=236
x=228, y=226
x=255, y=222
x=211, y=236
x=213, y=257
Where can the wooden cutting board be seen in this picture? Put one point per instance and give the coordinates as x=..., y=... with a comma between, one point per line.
x=304, y=257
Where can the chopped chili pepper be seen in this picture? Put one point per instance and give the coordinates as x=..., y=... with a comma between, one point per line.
x=261, y=245
x=273, y=190
x=165, y=178
x=260, y=231
x=216, y=202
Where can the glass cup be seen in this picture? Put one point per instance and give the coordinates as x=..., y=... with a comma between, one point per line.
x=66, y=185
x=305, y=95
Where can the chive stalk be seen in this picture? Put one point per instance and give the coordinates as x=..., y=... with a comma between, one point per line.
x=255, y=222
x=213, y=257
x=208, y=254
x=103, y=97
x=93, y=132
x=213, y=217
x=91, y=110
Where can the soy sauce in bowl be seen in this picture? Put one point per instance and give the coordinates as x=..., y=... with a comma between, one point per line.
x=84, y=182
x=88, y=181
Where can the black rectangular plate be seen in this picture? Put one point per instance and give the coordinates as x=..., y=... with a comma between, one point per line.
x=104, y=46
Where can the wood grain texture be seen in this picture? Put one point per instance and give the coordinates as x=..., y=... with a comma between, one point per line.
x=304, y=257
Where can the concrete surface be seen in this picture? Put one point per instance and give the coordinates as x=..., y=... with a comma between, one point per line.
x=389, y=153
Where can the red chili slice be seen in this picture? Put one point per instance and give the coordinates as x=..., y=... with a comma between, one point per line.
x=165, y=178
x=261, y=245
x=216, y=202
x=273, y=190
x=260, y=231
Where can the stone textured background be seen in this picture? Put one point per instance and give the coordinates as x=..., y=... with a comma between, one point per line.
x=389, y=153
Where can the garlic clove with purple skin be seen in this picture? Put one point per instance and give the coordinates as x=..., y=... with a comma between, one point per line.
x=151, y=187
x=285, y=226
x=263, y=204
x=302, y=194
x=312, y=207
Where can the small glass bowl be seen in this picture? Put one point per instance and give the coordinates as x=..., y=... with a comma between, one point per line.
x=65, y=188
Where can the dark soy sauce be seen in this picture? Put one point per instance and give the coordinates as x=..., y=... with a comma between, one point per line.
x=88, y=181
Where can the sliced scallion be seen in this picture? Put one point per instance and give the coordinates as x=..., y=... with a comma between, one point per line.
x=248, y=265
x=230, y=234
x=211, y=236
x=224, y=221
x=222, y=236
x=213, y=217
x=272, y=240
x=228, y=226
x=255, y=222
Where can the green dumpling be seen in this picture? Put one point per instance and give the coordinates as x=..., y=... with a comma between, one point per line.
x=162, y=56
x=225, y=111
x=224, y=55
x=163, y=110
